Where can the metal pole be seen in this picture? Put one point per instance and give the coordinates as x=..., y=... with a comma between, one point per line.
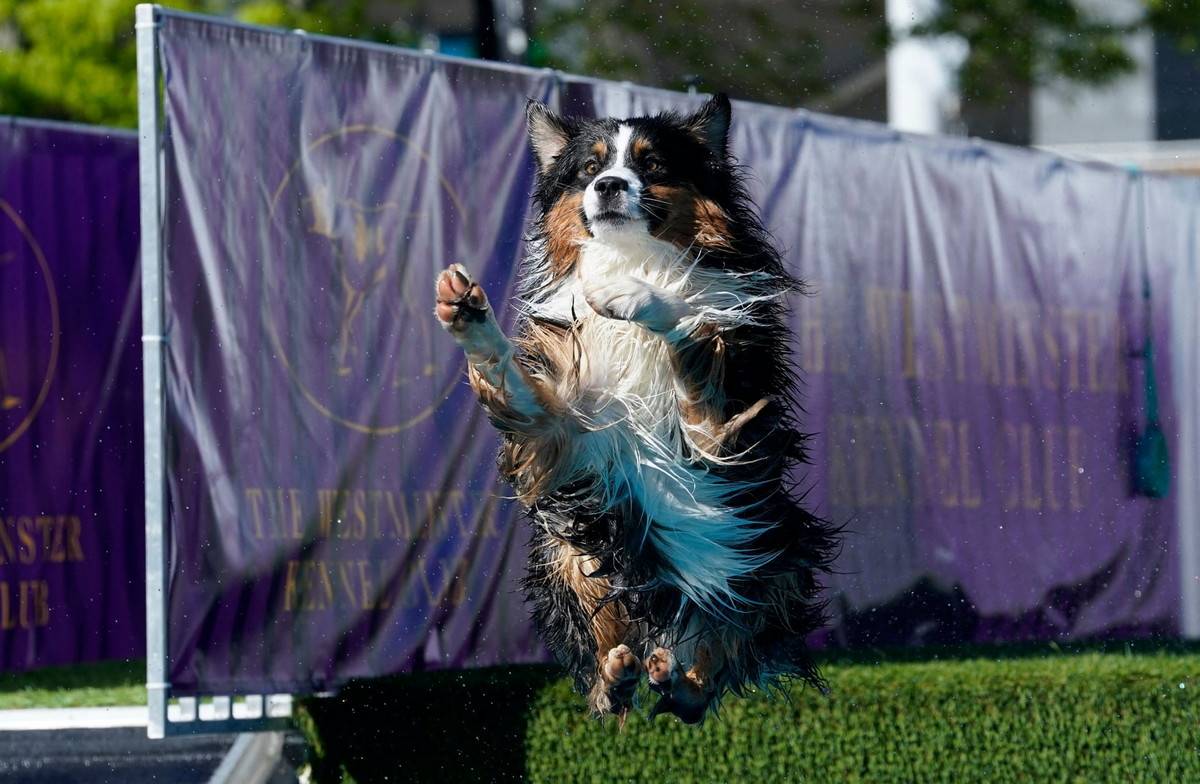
x=1185, y=357
x=153, y=401
x=512, y=38
x=921, y=87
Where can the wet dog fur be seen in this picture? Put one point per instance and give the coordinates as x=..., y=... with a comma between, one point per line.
x=646, y=406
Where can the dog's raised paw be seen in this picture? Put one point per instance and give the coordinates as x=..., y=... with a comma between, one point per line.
x=460, y=300
x=626, y=298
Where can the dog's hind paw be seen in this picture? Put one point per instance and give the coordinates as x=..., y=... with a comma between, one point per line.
x=460, y=300
x=620, y=672
x=621, y=667
x=680, y=693
x=662, y=670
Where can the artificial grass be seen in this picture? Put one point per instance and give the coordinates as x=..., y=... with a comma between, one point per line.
x=962, y=715
x=1082, y=717
x=95, y=685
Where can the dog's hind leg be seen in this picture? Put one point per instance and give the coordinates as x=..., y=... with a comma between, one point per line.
x=699, y=364
x=515, y=402
x=620, y=672
x=686, y=694
x=586, y=635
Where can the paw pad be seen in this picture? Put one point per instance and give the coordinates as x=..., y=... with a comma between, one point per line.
x=460, y=300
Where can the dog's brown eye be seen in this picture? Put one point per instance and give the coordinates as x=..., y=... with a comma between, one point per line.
x=591, y=169
x=652, y=164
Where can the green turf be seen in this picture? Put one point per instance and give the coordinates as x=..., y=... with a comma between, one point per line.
x=102, y=684
x=1115, y=713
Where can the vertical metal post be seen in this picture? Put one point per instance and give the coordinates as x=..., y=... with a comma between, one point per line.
x=153, y=400
x=508, y=26
x=1185, y=360
x=921, y=87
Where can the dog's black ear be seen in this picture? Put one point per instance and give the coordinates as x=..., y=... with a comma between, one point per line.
x=548, y=134
x=710, y=124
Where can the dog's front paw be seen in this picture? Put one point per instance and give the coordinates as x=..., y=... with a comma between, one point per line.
x=460, y=300
x=630, y=299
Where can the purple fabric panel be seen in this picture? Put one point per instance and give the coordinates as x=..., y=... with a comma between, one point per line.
x=335, y=509
x=72, y=558
x=971, y=355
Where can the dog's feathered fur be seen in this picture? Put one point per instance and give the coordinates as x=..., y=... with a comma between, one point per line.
x=646, y=411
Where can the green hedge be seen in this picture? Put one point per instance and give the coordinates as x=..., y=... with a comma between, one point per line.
x=1083, y=717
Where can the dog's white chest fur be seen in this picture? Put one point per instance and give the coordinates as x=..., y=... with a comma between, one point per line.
x=624, y=393
x=621, y=360
x=662, y=294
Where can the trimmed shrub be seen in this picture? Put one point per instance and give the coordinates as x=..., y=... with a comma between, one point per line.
x=1086, y=717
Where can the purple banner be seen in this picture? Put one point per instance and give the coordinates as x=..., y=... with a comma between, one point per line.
x=971, y=359
x=335, y=510
x=72, y=559
x=974, y=363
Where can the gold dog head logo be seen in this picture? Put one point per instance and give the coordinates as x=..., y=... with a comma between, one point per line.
x=359, y=229
x=359, y=238
x=29, y=333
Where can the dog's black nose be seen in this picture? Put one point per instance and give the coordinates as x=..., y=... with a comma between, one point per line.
x=607, y=187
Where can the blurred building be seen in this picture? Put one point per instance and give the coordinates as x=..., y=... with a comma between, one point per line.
x=1150, y=120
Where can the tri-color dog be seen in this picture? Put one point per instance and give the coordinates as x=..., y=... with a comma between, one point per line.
x=646, y=407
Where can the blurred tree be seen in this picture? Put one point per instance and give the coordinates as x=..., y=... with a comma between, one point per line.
x=743, y=47
x=75, y=59
x=1036, y=42
x=70, y=59
x=746, y=44
x=347, y=18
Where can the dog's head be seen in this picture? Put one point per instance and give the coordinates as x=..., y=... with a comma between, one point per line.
x=668, y=176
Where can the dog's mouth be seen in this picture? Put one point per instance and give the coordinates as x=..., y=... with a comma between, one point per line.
x=612, y=216
x=611, y=222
